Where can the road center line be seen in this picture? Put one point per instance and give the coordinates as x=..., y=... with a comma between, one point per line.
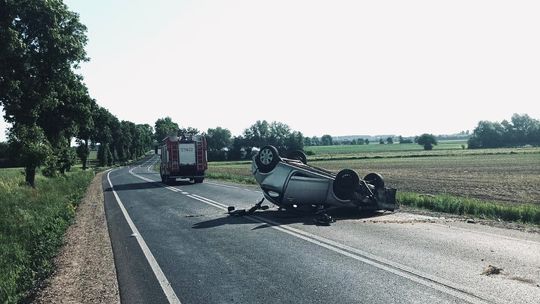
x=163, y=282
x=206, y=202
x=220, y=185
x=359, y=255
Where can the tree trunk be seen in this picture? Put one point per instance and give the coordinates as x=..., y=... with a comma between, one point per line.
x=84, y=160
x=30, y=175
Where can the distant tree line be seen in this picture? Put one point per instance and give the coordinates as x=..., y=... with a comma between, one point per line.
x=46, y=102
x=519, y=131
x=222, y=145
x=328, y=140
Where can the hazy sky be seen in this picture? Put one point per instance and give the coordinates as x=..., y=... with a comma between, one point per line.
x=336, y=67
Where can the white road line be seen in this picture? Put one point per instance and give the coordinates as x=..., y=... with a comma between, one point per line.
x=392, y=267
x=173, y=189
x=212, y=201
x=163, y=282
x=207, y=202
x=379, y=262
x=151, y=165
x=359, y=255
x=221, y=185
x=141, y=177
x=232, y=187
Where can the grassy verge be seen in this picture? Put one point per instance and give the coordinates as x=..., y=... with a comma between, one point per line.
x=525, y=213
x=231, y=177
x=32, y=225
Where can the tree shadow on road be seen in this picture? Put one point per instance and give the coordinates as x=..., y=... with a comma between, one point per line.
x=146, y=185
x=135, y=186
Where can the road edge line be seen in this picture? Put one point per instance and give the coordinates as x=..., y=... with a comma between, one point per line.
x=160, y=276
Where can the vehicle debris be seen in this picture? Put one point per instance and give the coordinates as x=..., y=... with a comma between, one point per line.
x=491, y=270
x=231, y=210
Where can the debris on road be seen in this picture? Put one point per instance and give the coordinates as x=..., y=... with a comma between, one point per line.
x=231, y=210
x=491, y=270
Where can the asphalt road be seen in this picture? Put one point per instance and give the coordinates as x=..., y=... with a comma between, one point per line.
x=176, y=244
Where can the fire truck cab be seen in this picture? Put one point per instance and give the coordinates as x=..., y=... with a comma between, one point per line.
x=183, y=157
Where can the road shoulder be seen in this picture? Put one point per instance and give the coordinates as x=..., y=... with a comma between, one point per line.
x=85, y=269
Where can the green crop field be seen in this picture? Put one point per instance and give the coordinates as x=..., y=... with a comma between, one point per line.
x=378, y=148
x=444, y=148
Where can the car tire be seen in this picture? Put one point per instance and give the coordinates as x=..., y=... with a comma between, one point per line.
x=199, y=180
x=298, y=155
x=267, y=159
x=345, y=184
x=375, y=179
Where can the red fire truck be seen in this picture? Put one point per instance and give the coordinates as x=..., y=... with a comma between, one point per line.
x=183, y=157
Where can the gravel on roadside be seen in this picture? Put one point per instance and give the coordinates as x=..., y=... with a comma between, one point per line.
x=85, y=270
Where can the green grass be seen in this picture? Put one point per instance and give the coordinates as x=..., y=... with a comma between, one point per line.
x=525, y=213
x=376, y=147
x=32, y=225
x=231, y=177
x=445, y=148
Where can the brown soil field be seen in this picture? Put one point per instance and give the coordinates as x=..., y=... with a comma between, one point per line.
x=510, y=178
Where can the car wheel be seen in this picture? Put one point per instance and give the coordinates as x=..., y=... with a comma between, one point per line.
x=267, y=159
x=298, y=155
x=345, y=184
x=199, y=180
x=375, y=179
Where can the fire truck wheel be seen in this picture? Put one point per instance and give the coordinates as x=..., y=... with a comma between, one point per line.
x=267, y=159
x=164, y=179
x=199, y=180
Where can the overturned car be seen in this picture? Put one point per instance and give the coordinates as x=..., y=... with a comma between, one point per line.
x=291, y=184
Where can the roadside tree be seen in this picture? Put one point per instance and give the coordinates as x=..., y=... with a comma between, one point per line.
x=295, y=141
x=40, y=43
x=165, y=127
x=84, y=132
x=218, y=138
x=33, y=147
x=258, y=134
x=189, y=131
